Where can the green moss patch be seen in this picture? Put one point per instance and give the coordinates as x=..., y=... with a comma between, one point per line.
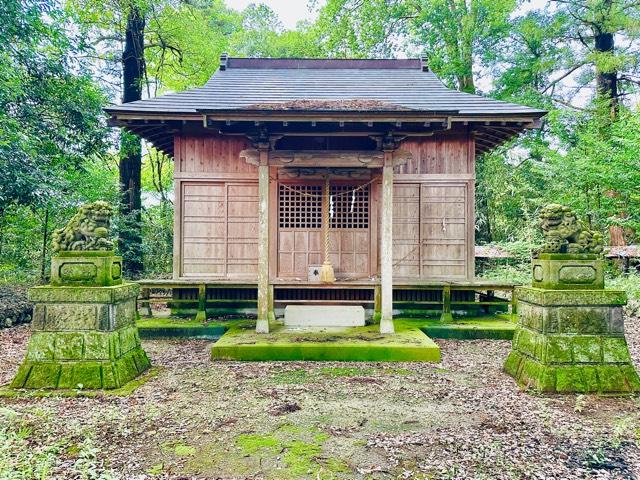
x=494, y=328
x=172, y=327
x=7, y=392
x=351, y=344
x=302, y=376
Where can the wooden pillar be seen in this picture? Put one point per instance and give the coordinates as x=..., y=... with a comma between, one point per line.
x=262, y=324
x=514, y=306
x=386, y=245
x=201, y=315
x=446, y=305
x=145, y=305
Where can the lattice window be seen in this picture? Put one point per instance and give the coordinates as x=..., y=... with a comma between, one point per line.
x=300, y=206
x=350, y=208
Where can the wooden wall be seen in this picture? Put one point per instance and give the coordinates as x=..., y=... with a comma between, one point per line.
x=433, y=216
x=446, y=153
x=216, y=225
x=216, y=215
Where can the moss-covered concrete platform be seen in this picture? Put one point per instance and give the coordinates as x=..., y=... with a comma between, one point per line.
x=408, y=344
x=496, y=327
x=491, y=327
x=170, y=327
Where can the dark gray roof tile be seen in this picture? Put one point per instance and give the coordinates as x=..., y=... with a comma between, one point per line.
x=250, y=82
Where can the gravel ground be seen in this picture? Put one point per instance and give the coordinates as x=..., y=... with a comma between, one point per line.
x=462, y=418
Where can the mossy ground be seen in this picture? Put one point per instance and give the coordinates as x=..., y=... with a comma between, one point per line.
x=461, y=418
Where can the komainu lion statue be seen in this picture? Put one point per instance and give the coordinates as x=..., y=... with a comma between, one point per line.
x=87, y=230
x=564, y=234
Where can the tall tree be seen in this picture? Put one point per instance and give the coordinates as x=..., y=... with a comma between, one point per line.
x=130, y=167
x=595, y=28
x=456, y=35
x=51, y=125
x=117, y=30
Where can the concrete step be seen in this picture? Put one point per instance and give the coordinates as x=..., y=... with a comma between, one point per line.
x=323, y=316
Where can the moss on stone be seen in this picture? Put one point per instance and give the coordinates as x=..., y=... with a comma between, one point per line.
x=558, y=349
x=540, y=296
x=587, y=349
x=41, y=346
x=615, y=350
x=10, y=392
x=69, y=346
x=581, y=347
x=352, y=344
x=109, y=294
x=42, y=375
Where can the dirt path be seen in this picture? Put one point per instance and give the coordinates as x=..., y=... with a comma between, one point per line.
x=462, y=418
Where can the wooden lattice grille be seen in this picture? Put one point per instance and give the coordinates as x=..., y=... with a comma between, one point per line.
x=350, y=206
x=300, y=206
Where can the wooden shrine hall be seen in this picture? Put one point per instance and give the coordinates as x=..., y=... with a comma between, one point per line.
x=288, y=170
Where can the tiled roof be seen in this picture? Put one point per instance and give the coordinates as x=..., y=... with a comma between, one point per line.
x=322, y=85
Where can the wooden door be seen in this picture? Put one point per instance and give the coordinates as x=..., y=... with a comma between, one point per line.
x=300, y=239
x=443, y=230
x=406, y=230
x=219, y=229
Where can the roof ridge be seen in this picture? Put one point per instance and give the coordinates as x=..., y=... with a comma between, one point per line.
x=320, y=63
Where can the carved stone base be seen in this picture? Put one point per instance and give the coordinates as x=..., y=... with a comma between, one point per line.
x=565, y=271
x=83, y=337
x=571, y=341
x=86, y=268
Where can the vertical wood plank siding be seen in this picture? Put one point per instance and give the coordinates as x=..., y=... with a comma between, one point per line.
x=218, y=214
x=216, y=225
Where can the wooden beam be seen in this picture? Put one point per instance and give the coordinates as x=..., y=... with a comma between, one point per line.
x=326, y=158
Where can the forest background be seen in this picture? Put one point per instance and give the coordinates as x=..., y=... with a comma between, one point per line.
x=61, y=63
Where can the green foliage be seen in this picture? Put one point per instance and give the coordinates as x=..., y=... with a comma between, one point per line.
x=157, y=231
x=28, y=453
x=57, y=68
x=50, y=108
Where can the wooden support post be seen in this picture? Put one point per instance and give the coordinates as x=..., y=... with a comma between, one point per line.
x=514, y=306
x=201, y=316
x=262, y=324
x=377, y=304
x=446, y=305
x=386, y=245
x=145, y=305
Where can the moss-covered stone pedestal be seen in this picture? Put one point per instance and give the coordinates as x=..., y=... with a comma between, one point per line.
x=89, y=269
x=83, y=336
x=567, y=271
x=571, y=341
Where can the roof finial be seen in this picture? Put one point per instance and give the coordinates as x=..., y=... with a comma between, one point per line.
x=424, y=62
x=223, y=61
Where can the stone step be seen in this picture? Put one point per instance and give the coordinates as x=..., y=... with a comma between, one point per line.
x=323, y=316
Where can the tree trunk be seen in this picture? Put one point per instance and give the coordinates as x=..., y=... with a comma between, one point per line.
x=606, y=81
x=130, y=145
x=465, y=83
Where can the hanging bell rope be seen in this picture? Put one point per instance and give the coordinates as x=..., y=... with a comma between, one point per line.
x=326, y=271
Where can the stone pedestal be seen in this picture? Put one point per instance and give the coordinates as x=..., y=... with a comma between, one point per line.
x=566, y=271
x=571, y=340
x=83, y=337
x=93, y=268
